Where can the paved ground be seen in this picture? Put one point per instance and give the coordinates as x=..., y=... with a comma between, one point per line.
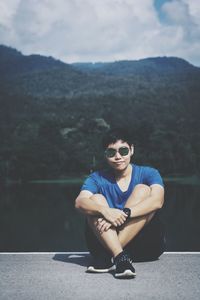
x=62, y=276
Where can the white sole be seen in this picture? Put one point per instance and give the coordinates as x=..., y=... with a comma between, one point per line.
x=125, y=274
x=91, y=269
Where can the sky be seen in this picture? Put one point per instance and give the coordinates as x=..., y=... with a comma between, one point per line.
x=102, y=30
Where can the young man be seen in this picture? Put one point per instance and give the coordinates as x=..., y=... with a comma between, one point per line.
x=121, y=205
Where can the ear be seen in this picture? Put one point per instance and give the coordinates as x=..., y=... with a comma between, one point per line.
x=132, y=150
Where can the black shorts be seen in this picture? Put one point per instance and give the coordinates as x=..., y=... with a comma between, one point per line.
x=148, y=245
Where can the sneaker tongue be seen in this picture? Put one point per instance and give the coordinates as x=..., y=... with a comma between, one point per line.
x=121, y=256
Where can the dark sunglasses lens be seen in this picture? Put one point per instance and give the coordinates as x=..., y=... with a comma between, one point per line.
x=110, y=152
x=123, y=151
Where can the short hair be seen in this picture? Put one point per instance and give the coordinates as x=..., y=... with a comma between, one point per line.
x=116, y=134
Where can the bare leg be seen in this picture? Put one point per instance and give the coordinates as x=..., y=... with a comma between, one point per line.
x=132, y=228
x=108, y=238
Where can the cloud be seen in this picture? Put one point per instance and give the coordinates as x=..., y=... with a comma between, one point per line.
x=7, y=10
x=183, y=16
x=102, y=30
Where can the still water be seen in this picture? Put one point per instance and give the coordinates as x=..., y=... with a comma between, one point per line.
x=41, y=217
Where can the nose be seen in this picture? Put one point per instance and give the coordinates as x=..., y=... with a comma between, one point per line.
x=117, y=155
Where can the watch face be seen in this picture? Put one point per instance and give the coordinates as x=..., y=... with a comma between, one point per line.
x=127, y=211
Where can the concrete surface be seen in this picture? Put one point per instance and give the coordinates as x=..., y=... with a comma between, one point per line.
x=62, y=276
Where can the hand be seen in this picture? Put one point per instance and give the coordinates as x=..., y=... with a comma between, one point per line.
x=102, y=225
x=114, y=216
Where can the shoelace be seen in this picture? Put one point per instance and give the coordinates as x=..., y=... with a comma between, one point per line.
x=124, y=258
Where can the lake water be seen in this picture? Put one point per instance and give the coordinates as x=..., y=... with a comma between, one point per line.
x=41, y=217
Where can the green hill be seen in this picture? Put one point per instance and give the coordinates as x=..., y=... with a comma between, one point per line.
x=54, y=114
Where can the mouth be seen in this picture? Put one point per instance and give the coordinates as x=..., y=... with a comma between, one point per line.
x=119, y=163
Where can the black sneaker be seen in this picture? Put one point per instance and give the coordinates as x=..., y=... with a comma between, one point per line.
x=124, y=267
x=101, y=265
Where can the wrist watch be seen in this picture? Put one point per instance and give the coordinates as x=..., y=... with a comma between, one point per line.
x=127, y=212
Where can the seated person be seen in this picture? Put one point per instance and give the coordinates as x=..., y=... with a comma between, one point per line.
x=121, y=204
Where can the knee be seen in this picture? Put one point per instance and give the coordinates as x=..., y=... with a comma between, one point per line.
x=99, y=199
x=142, y=190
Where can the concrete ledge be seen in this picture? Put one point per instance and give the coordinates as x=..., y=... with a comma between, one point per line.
x=82, y=253
x=61, y=275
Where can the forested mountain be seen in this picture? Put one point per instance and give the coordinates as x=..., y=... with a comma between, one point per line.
x=12, y=62
x=158, y=65
x=53, y=114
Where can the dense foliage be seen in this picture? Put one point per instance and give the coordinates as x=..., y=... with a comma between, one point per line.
x=53, y=115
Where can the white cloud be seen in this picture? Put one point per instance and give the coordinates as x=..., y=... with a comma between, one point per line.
x=7, y=11
x=184, y=15
x=194, y=10
x=101, y=30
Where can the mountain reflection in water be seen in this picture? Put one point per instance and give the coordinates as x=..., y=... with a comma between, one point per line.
x=42, y=217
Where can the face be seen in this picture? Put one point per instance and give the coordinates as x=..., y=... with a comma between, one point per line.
x=119, y=162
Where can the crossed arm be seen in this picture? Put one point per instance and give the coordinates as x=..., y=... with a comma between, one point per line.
x=108, y=217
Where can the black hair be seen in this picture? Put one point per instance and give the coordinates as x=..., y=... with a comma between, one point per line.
x=116, y=134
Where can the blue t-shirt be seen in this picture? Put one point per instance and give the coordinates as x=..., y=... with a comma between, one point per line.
x=103, y=182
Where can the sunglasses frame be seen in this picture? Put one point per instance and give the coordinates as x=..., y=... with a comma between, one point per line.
x=115, y=151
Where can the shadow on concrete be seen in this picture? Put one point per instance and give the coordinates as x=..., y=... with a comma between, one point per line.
x=79, y=259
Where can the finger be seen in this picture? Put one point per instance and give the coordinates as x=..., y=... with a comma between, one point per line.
x=103, y=228
x=120, y=221
x=124, y=214
x=98, y=221
x=101, y=225
x=108, y=227
x=115, y=223
x=100, y=230
x=123, y=220
x=124, y=217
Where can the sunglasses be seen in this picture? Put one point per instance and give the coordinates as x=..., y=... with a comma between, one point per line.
x=110, y=152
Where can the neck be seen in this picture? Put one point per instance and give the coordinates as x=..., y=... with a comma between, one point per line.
x=124, y=173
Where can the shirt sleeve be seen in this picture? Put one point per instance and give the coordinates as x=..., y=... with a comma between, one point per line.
x=152, y=176
x=90, y=184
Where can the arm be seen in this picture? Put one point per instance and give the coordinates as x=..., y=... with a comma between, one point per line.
x=85, y=204
x=151, y=203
